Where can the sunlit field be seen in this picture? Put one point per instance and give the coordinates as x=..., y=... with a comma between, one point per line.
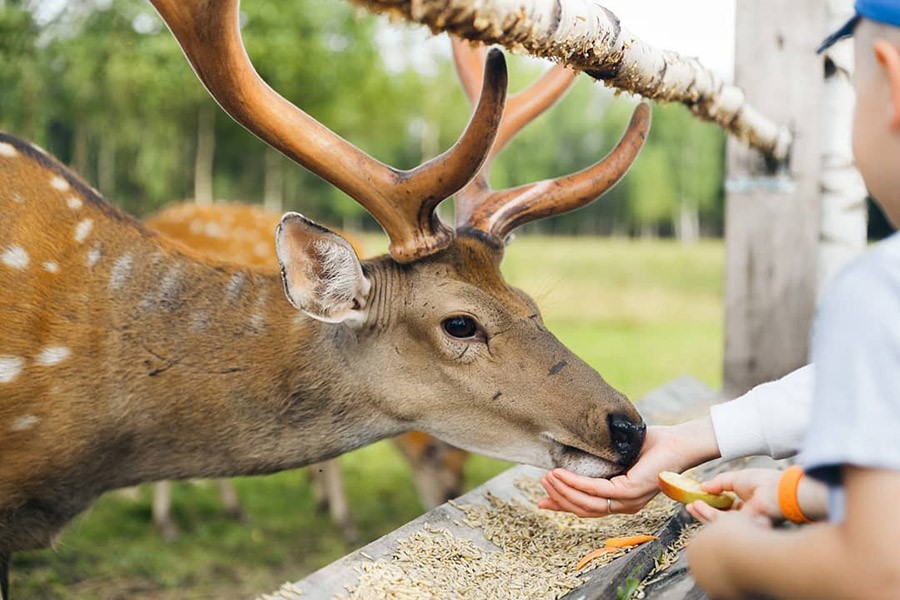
x=641, y=313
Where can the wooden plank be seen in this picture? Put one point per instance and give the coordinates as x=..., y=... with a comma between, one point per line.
x=684, y=394
x=772, y=220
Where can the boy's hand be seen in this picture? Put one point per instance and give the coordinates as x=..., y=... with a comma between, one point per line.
x=756, y=488
x=665, y=449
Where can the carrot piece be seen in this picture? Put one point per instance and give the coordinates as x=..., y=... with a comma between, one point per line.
x=612, y=545
x=626, y=542
x=591, y=556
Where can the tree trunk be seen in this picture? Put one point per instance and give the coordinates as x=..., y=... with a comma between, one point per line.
x=842, y=236
x=206, y=149
x=273, y=195
x=687, y=222
x=106, y=167
x=80, y=151
x=586, y=36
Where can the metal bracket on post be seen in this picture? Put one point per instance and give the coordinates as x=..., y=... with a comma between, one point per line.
x=770, y=184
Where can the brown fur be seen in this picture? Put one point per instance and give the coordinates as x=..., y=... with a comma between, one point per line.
x=195, y=369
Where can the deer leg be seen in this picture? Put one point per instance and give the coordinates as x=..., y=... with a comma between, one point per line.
x=162, y=510
x=317, y=482
x=4, y=575
x=230, y=501
x=338, y=507
x=438, y=469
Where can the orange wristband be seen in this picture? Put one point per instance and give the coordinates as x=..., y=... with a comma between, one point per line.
x=787, y=495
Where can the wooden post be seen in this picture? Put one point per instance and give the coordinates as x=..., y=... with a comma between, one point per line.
x=772, y=216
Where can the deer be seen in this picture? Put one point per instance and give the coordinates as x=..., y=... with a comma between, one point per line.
x=243, y=233
x=126, y=358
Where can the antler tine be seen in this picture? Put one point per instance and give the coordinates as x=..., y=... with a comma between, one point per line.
x=521, y=108
x=403, y=202
x=500, y=212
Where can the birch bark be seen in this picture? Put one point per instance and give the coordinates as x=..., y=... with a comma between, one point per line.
x=586, y=36
x=842, y=233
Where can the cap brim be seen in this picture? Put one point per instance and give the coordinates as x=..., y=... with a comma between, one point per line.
x=844, y=32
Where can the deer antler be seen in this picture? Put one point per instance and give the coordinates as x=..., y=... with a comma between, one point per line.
x=497, y=213
x=403, y=202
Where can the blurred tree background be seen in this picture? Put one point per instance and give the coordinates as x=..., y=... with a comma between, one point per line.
x=102, y=85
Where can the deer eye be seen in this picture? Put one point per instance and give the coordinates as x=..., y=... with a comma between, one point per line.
x=460, y=326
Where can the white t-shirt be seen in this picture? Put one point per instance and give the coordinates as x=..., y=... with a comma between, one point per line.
x=771, y=419
x=855, y=417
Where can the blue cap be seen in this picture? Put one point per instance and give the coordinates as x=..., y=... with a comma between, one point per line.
x=881, y=11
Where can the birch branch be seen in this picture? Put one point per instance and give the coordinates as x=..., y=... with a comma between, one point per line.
x=584, y=35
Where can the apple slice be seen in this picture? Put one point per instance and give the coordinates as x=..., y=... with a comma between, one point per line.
x=685, y=490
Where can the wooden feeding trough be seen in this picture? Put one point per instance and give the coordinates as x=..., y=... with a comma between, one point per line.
x=441, y=546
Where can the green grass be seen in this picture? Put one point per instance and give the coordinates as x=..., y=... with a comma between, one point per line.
x=640, y=313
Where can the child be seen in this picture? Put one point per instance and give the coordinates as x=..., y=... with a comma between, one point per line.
x=853, y=441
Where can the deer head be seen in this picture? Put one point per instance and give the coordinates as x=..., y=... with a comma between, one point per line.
x=432, y=332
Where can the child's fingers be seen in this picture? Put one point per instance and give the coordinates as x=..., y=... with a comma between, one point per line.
x=590, y=504
x=703, y=512
x=589, y=485
x=548, y=504
x=720, y=483
x=555, y=490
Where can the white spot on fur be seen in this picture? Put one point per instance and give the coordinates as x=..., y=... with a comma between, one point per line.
x=120, y=272
x=52, y=355
x=83, y=229
x=214, y=230
x=199, y=321
x=8, y=150
x=24, y=423
x=15, y=257
x=171, y=282
x=74, y=202
x=51, y=267
x=93, y=255
x=235, y=285
x=258, y=319
x=10, y=367
x=18, y=198
x=58, y=183
x=263, y=249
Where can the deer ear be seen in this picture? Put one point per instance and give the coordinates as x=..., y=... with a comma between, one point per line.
x=321, y=273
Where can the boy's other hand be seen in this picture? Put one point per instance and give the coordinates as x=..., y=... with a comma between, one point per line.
x=704, y=553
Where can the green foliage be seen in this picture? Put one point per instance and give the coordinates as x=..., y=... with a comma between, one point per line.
x=104, y=86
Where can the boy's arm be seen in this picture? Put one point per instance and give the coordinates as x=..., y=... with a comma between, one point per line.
x=736, y=558
x=769, y=419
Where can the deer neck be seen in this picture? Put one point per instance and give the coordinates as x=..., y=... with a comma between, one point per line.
x=215, y=374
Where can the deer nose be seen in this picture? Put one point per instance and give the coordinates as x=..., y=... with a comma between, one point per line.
x=627, y=436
